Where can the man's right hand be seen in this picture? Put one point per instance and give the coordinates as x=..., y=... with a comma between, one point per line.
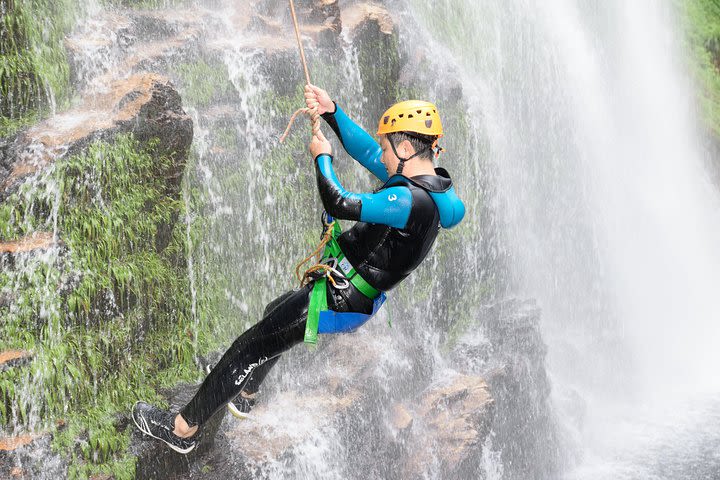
x=317, y=95
x=319, y=145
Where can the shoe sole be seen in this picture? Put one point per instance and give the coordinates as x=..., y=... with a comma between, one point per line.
x=144, y=428
x=237, y=413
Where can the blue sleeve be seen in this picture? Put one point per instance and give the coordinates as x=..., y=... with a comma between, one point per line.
x=450, y=207
x=390, y=206
x=356, y=142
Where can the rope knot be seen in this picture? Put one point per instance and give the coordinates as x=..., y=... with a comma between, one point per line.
x=314, y=118
x=317, y=253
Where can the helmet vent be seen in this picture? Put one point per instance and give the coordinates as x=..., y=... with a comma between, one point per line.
x=414, y=116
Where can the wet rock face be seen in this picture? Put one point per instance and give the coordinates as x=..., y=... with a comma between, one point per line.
x=146, y=105
x=6, y=159
x=26, y=455
x=457, y=416
x=34, y=242
x=442, y=427
x=29, y=457
x=502, y=385
x=372, y=30
x=509, y=351
x=13, y=358
x=323, y=12
x=156, y=460
x=135, y=41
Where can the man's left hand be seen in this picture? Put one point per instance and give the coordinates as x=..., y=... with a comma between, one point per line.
x=319, y=145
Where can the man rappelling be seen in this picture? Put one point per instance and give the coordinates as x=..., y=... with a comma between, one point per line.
x=396, y=225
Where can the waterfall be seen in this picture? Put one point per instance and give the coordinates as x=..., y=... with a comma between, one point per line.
x=566, y=329
x=607, y=215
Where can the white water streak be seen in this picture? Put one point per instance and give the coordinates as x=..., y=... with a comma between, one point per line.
x=610, y=218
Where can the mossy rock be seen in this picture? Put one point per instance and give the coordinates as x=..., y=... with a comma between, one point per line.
x=374, y=36
x=106, y=312
x=34, y=70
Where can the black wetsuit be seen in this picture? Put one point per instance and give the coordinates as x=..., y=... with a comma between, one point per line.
x=396, y=226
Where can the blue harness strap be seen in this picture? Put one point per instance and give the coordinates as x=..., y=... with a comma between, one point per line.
x=345, y=322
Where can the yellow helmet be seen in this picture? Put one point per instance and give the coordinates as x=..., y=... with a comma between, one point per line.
x=411, y=116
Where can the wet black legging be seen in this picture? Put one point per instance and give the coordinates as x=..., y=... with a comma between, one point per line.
x=247, y=362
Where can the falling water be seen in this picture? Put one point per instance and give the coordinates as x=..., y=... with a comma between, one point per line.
x=572, y=138
x=607, y=215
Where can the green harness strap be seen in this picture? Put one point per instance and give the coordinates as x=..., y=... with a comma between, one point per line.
x=318, y=303
x=318, y=296
x=332, y=249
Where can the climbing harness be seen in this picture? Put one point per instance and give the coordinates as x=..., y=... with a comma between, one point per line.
x=335, y=268
x=330, y=229
x=331, y=264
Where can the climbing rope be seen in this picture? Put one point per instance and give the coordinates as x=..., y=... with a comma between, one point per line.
x=317, y=253
x=319, y=268
x=312, y=111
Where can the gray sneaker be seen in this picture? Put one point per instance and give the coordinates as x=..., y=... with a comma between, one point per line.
x=240, y=406
x=160, y=424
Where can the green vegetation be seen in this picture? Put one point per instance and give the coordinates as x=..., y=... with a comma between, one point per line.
x=34, y=72
x=107, y=316
x=237, y=272
x=201, y=82
x=702, y=23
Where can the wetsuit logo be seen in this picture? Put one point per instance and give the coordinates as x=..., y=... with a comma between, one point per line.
x=249, y=370
x=392, y=197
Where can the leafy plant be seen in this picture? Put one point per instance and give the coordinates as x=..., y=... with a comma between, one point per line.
x=34, y=72
x=106, y=314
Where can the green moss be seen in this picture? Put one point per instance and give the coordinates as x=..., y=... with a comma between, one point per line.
x=34, y=72
x=701, y=19
x=379, y=64
x=201, y=82
x=226, y=137
x=108, y=320
x=279, y=106
x=10, y=126
x=232, y=288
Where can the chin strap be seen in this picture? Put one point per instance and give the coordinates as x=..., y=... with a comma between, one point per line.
x=401, y=165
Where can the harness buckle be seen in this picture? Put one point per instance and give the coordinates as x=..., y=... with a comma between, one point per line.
x=335, y=276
